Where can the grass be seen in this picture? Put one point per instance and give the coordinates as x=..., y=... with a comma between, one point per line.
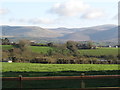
x=42, y=49
x=6, y=47
x=33, y=67
x=99, y=51
x=92, y=52
x=38, y=70
x=37, y=49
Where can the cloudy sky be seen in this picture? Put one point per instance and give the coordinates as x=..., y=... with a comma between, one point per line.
x=58, y=13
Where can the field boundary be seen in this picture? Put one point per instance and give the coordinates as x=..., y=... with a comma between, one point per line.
x=60, y=77
x=20, y=79
x=105, y=88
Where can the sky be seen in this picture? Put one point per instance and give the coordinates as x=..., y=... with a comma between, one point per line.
x=58, y=13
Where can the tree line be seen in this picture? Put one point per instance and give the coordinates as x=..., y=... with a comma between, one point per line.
x=66, y=53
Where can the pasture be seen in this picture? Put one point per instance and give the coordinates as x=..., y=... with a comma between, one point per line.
x=99, y=51
x=40, y=70
x=91, y=52
x=42, y=49
x=37, y=69
x=6, y=47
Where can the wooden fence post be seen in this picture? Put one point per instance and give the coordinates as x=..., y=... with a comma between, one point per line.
x=82, y=81
x=82, y=84
x=20, y=81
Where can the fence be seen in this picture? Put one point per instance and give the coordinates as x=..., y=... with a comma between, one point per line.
x=20, y=79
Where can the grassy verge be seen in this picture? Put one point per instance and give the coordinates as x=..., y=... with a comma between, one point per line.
x=28, y=67
x=37, y=70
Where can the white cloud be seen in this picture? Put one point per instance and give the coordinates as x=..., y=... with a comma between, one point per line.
x=69, y=8
x=55, y=0
x=40, y=21
x=3, y=11
x=93, y=14
x=115, y=17
x=33, y=20
x=30, y=0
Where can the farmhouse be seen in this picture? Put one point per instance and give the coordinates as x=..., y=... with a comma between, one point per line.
x=109, y=46
x=10, y=61
x=116, y=46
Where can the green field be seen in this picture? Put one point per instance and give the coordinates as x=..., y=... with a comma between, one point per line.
x=33, y=67
x=40, y=70
x=42, y=49
x=6, y=47
x=92, y=52
x=36, y=69
x=100, y=51
x=37, y=49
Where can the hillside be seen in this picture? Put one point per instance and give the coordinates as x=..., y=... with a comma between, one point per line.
x=95, y=33
x=28, y=31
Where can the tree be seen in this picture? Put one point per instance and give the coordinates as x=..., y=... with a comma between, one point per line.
x=5, y=41
x=50, y=44
x=72, y=46
x=23, y=45
x=89, y=45
x=5, y=55
x=21, y=51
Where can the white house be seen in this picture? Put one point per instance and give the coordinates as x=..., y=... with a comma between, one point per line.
x=9, y=61
x=109, y=46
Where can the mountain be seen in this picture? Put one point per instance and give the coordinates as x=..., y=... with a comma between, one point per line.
x=109, y=34
x=28, y=31
x=72, y=30
x=96, y=33
x=64, y=30
x=78, y=36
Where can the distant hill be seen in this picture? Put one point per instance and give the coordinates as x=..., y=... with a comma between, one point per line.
x=28, y=31
x=96, y=33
